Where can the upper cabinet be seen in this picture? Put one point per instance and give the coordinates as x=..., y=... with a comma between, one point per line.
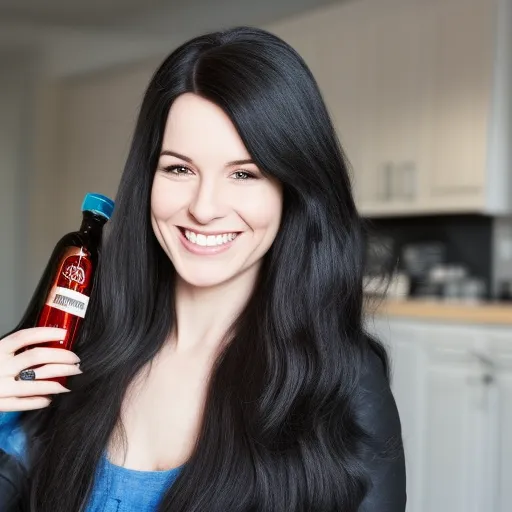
x=395, y=137
x=419, y=91
x=460, y=105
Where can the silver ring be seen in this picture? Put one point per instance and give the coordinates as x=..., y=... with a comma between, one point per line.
x=26, y=375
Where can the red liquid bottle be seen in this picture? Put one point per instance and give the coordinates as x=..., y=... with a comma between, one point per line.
x=62, y=296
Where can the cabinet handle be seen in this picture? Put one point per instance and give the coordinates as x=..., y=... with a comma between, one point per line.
x=486, y=378
x=485, y=361
x=484, y=381
x=489, y=368
x=386, y=179
x=408, y=177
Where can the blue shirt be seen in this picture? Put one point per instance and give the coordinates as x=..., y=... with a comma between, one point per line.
x=116, y=489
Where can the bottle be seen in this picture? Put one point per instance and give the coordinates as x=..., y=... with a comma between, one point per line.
x=62, y=295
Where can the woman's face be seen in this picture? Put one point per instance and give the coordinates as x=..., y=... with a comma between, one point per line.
x=212, y=210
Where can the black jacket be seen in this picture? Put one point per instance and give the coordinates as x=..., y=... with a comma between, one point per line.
x=384, y=458
x=13, y=484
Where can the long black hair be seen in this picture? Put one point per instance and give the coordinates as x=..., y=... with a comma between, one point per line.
x=279, y=430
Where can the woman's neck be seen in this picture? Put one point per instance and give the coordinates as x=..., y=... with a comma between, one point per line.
x=204, y=315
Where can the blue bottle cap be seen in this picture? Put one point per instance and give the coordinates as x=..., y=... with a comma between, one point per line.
x=99, y=204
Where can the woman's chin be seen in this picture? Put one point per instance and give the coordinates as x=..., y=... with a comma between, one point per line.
x=200, y=280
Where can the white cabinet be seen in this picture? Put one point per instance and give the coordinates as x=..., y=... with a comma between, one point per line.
x=453, y=388
x=395, y=135
x=461, y=60
x=419, y=91
x=504, y=483
x=408, y=384
x=438, y=115
x=500, y=438
x=456, y=402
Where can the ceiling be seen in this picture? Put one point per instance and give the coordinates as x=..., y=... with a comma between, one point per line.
x=147, y=16
x=77, y=36
x=73, y=13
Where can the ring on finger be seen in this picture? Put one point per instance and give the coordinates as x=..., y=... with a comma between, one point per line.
x=26, y=375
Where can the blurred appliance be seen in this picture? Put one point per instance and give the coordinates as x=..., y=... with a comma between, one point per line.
x=418, y=259
x=381, y=276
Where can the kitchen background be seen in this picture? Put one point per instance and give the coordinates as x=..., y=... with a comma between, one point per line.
x=421, y=95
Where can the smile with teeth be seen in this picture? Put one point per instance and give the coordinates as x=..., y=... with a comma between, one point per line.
x=210, y=240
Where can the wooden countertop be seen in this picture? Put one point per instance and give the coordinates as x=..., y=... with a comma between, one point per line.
x=425, y=309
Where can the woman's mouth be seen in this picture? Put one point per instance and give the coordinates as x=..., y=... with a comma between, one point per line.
x=205, y=243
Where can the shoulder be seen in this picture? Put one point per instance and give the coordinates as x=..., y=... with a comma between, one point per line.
x=382, y=454
x=375, y=405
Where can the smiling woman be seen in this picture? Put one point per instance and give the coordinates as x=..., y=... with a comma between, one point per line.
x=225, y=364
x=210, y=199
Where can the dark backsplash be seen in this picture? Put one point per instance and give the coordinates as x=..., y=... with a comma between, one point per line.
x=468, y=238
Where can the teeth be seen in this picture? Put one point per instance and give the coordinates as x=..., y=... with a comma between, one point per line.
x=210, y=240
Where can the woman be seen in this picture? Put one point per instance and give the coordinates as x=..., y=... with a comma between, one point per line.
x=225, y=365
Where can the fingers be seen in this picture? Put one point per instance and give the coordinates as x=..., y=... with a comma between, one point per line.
x=50, y=371
x=12, y=388
x=28, y=337
x=24, y=404
x=37, y=357
x=48, y=363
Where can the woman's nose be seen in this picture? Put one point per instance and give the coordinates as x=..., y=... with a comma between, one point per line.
x=207, y=202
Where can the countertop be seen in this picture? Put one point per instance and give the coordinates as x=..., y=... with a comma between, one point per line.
x=494, y=313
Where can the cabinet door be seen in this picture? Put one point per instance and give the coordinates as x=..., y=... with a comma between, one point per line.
x=504, y=495
x=459, y=86
x=395, y=136
x=403, y=341
x=458, y=419
x=445, y=408
x=500, y=438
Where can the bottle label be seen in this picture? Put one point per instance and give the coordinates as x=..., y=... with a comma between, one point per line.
x=73, y=280
x=68, y=301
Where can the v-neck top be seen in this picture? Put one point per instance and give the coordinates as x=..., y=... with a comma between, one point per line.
x=116, y=488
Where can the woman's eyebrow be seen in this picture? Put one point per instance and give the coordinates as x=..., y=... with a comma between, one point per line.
x=168, y=152
x=241, y=162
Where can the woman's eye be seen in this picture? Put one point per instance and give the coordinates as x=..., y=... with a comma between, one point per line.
x=178, y=170
x=243, y=175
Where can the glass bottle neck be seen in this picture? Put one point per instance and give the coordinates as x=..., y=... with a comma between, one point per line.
x=92, y=223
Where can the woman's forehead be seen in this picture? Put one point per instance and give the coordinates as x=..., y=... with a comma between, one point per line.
x=201, y=130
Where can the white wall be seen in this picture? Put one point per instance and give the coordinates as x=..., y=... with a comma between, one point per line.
x=93, y=119
x=96, y=118
x=15, y=142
